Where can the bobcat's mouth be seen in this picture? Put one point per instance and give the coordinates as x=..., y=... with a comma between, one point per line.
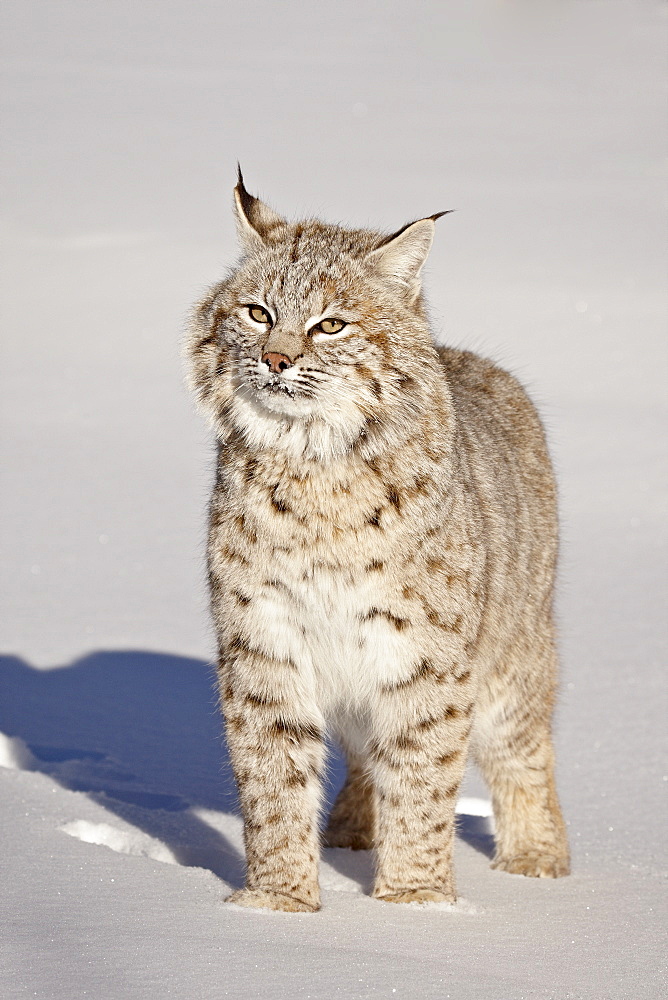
x=278, y=385
x=277, y=392
x=279, y=396
x=292, y=393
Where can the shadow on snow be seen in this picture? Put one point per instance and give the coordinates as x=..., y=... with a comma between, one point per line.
x=140, y=733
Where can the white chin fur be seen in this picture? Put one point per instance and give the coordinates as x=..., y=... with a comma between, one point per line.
x=281, y=402
x=303, y=427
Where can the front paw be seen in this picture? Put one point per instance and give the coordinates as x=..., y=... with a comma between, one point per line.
x=534, y=864
x=416, y=896
x=268, y=899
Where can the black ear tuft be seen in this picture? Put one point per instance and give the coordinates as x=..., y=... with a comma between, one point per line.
x=399, y=232
x=256, y=222
x=247, y=200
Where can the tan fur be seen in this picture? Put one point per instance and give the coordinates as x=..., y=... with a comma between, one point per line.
x=382, y=550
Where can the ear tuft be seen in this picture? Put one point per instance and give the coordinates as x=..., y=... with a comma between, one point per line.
x=400, y=257
x=256, y=222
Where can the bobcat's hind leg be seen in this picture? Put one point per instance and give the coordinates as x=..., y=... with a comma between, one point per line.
x=352, y=821
x=513, y=748
x=530, y=831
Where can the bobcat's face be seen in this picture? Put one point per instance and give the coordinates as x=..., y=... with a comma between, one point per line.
x=305, y=344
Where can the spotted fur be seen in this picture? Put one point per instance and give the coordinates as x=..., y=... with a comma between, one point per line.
x=381, y=556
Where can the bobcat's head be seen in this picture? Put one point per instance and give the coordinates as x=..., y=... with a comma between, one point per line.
x=317, y=324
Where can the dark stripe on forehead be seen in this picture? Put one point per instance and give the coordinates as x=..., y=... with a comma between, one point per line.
x=294, y=252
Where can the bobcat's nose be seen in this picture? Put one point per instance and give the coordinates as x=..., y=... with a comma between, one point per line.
x=277, y=362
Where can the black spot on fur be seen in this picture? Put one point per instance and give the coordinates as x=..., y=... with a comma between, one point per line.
x=374, y=520
x=393, y=497
x=296, y=731
x=278, y=504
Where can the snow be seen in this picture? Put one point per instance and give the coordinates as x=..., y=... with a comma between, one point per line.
x=14, y=752
x=543, y=125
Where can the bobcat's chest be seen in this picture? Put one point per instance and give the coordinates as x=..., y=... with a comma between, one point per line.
x=326, y=621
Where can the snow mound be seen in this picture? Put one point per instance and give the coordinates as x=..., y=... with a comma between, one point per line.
x=475, y=807
x=14, y=753
x=132, y=842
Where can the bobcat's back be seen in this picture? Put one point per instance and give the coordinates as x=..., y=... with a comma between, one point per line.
x=502, y=444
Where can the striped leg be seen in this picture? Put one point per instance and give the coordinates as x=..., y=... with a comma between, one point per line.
x=277, y=753
x=530, y=831
x=513, y=748
x=419, y=751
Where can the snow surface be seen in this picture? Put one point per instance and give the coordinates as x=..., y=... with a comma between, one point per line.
x=543, y=125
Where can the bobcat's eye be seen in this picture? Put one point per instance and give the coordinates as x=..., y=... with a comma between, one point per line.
x=259, y=314
x=330, y=326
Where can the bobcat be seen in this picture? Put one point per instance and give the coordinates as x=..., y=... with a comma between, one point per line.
x=381, y=555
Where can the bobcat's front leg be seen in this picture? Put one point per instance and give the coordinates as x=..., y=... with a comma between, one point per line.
x=277, y=754
x=421, y=730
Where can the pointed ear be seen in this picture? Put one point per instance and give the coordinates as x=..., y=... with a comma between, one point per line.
x=256, y=222
x=400, y=257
